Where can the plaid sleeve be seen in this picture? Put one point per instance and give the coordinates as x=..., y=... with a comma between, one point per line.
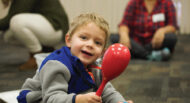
x=128, y=13
x=171, y=14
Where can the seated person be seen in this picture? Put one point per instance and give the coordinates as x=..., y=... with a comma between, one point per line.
x=40, y=25
x=148, y=28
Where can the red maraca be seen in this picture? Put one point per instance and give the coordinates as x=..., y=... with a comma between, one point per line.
x=115, y=60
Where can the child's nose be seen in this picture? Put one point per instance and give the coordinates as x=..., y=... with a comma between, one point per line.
x=90, y=43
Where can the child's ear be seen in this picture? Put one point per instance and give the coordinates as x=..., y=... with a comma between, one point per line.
x=68, y=40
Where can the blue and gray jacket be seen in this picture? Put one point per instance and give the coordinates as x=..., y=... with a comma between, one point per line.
x=60, y=78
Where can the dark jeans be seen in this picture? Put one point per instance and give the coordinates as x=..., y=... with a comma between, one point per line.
x=141, y=51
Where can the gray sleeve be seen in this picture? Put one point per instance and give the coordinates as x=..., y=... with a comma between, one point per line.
x=54, y=78
x=32, y=84
x=110, y=95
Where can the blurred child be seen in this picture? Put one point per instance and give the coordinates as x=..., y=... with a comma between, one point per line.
x=70, y=74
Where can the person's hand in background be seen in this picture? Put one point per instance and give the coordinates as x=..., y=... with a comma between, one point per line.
x=124, y=36
x=158, y=38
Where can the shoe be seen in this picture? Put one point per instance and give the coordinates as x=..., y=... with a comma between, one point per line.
x=166, y=54
x=29, y=65
x=161, y=55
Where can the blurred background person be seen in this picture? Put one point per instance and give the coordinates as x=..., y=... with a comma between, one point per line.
x=148, y=28
x=40, y=25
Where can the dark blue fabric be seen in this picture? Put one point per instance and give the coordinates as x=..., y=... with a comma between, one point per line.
x=74, y=97
x=80, y=80
x=22, y=96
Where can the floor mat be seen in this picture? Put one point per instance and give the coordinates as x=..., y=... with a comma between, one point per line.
x=9, y=96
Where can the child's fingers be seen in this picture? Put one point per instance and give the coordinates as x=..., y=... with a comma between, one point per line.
x=97, y=99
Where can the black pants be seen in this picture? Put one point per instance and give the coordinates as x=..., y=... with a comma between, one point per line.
x=139, y=51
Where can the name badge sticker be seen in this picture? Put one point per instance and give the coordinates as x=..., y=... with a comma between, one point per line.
x=158, y=17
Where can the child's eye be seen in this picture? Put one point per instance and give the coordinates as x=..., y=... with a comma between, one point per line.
x=83, y=37
x=98, y=43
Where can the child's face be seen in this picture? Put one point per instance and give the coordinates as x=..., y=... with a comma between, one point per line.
x=87, y=43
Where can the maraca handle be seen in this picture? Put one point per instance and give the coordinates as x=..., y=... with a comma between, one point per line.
x=101, y=88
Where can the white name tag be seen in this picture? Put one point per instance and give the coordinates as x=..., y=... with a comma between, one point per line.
x=158, y=17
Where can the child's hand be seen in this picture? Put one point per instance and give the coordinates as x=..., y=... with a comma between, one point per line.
x=88, y=98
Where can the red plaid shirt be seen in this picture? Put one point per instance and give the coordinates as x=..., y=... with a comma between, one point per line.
x=143, y=25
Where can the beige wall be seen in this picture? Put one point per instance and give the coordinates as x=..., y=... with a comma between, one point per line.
x=183, y=15
x=112, y=11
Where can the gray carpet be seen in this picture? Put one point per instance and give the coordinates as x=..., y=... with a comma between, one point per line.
x=142, y=81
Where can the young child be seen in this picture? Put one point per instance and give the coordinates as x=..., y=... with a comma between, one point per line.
x=70, y=74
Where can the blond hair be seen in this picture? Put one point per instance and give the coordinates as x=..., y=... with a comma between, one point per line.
x=84, y=19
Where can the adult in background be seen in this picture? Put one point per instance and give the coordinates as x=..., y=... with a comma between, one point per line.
x=148, y=28
x=40, y=25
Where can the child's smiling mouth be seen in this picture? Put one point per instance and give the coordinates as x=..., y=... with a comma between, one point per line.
x=87, y=53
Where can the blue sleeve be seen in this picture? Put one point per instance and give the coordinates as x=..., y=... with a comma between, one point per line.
x=22, y=96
